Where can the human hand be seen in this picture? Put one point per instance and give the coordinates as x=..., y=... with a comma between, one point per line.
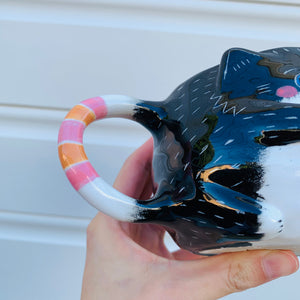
x=130, y=261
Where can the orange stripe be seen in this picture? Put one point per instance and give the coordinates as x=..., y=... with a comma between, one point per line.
x=70, y=154
x=81, y=113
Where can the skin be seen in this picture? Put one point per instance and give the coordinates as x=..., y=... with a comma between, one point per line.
x=130, y=261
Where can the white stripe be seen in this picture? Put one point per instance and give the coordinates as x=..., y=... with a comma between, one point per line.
x=119, y=105
x=220, y=128
x=110, y=201
x=69, y=142
x=76, y=120
x=291, y=118
x=75, y=164
x=229, y=142
x=83, y=105
x=263, y=85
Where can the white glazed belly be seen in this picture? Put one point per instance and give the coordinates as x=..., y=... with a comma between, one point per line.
x=281, y=188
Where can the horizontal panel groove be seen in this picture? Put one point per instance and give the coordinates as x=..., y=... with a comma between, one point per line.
x=43, y=124
x=267, y=2
x=164, y=16
x=43, y=228
x=168, y=4
x=47, y=229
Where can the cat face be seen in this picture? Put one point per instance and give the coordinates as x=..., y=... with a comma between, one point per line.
x=269, y=75
x=258, y=108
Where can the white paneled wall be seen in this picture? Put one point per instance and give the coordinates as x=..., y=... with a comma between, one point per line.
x=54, y=54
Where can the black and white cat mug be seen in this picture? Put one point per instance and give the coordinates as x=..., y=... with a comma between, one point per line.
x=226, y=157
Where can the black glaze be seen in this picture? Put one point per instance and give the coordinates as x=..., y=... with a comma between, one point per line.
x=208, y=135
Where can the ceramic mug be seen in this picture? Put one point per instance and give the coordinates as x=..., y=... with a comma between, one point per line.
x=226, y=157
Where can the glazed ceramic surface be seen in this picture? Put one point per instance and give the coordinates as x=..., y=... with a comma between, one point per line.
x=226, y=155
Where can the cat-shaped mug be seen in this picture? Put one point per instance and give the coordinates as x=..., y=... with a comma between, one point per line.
x=226, y=157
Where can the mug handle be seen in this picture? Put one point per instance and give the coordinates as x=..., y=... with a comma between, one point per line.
x=79, y=170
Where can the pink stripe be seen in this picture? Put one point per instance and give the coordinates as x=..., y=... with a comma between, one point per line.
x=71, y=130
x=97, y=105
x=81, y=174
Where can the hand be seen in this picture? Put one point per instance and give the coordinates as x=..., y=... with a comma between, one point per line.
x=130, y=261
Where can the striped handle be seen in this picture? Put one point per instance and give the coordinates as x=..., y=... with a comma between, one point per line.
x=76, y=165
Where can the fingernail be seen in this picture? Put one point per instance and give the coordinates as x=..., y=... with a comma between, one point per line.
x=279, y=263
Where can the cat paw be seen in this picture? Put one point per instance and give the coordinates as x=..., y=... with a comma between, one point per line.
x=270, y=221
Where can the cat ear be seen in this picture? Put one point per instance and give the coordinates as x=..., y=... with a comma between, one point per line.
x=235, y=65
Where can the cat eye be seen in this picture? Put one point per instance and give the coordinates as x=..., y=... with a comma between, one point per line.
x=297, y=80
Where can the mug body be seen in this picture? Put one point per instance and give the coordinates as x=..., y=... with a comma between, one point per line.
x=226, y=164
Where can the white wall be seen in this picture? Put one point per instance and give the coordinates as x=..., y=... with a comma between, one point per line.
x=54, y=54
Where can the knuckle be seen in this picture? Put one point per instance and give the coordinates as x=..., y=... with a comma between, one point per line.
x=236, y=278
x=91, y=233
x=243, y=276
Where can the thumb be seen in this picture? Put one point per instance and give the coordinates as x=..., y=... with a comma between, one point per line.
x=218, y=276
